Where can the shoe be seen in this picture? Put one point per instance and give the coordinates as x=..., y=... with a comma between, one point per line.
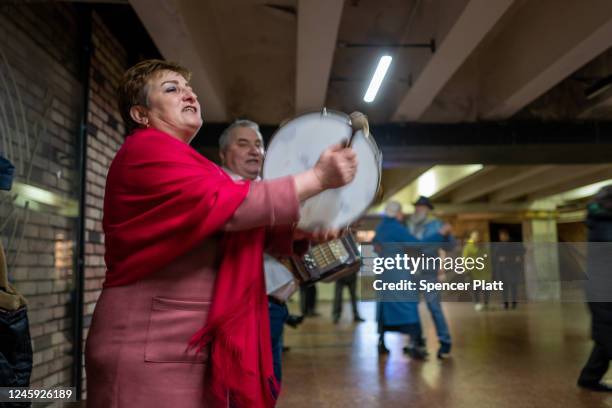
x=506, y=305
x=358, y=319
x=286, y=349
x=444, y=351
x=294, y=321
x=595, y=386
x=478, y=307
x=416, y=353
x=382, y=349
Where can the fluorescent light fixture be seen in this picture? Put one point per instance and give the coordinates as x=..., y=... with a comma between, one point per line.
x=379, y=75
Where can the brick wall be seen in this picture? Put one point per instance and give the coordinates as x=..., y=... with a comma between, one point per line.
x=39, y=115
x=40, y=108
x=106, y=130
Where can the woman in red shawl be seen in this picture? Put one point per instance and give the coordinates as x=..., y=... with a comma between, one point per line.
x=182, y=319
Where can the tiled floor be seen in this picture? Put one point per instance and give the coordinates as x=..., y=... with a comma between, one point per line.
x=525, y=358
x=516, y=359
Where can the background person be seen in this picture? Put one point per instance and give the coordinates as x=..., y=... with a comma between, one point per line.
x=241, y=148
x=434, y=234
x=599, y=291
x=350, y=282
x=508, y=260
x=397, y=311
x=308, y=300
x=473, y=249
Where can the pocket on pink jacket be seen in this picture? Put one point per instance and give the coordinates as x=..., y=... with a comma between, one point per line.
x=172, y=322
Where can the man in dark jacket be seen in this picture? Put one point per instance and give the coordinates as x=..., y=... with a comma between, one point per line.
x=599, y=291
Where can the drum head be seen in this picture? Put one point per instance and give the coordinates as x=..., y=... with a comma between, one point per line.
x=296, y=147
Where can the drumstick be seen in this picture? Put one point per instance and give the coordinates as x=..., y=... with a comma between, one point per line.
x=359, y=121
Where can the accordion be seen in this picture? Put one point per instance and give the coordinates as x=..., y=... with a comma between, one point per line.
x=328, y=262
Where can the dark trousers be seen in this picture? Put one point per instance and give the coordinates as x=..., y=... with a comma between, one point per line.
x=596, y=365
x=509, y=293
x=308, y=299
x=278, y=316
x=351, y=283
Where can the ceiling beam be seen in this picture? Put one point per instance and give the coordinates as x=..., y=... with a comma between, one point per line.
x=172, y=30
x=318, y=23
x=442, y=193
x=544, y=42
x=509, y=143
x=544, y=180
x=599, y=107
x=566, y=153
x=478, y=17
x=498, y=179
x=585, y=180
x=393, y=180
x=480, y=207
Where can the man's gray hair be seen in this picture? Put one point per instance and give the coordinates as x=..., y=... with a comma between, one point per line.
x=226, y=137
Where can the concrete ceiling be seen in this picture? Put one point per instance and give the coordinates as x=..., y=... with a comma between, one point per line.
x=497, y=185
x=270, y=59
x=509, y=60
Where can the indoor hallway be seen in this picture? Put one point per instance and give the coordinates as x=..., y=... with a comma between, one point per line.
x=529, y=357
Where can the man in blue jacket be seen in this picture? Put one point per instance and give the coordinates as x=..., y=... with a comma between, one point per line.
x=435, y=236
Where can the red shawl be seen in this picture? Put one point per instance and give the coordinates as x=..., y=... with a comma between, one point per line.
x=162, y=199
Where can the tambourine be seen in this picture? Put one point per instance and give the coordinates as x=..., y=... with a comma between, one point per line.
x=296, y=147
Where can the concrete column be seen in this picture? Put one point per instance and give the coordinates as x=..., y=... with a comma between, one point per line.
x=542, y=276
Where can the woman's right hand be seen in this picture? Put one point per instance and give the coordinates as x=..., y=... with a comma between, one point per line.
x=336, y=166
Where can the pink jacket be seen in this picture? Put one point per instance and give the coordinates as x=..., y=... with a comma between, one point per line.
x=136, y=354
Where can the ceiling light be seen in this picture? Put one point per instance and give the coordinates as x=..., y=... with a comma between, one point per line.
x=379, y=75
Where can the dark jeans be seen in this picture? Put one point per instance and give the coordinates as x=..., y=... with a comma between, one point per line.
x=596, y=366
x=351, y=283
x=433, y=300
x=278, y=316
